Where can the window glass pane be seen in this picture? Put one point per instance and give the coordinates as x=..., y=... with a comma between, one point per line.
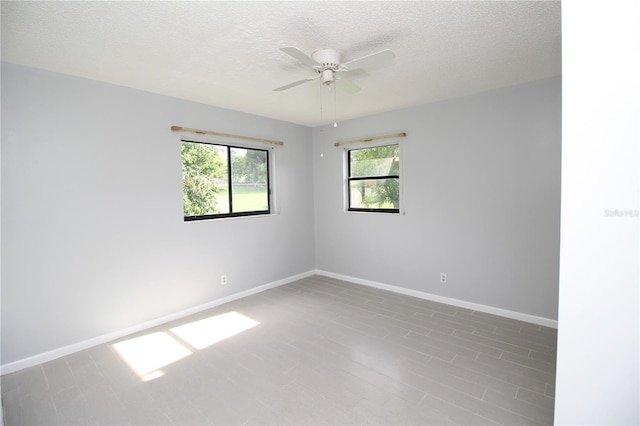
x=249, y=178
x=224, y=181
x=374, y=194
x=376, y=161
x=204, y=179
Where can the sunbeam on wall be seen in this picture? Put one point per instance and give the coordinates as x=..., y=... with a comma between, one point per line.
x=147, y=354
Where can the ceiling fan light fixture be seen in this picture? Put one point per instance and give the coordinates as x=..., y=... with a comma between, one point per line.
x=328, y=77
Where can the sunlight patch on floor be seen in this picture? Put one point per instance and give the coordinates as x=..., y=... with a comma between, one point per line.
x=206, y=332
x=147, y=354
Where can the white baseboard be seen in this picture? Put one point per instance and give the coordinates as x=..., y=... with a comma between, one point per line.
x=69, y=349
x=546, y=322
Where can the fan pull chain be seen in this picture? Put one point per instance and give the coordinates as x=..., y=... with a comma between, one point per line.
x=321, y=116
x=335, y=108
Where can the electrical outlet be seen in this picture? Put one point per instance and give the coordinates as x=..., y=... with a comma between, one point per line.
x=223, y=280
x=443, y=277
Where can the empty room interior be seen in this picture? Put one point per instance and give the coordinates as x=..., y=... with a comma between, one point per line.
x=319, y=213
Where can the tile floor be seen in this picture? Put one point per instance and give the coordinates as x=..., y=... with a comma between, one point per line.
x=316, y=351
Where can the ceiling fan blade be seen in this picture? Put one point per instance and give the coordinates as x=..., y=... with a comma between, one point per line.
x=373, y=60
x=347, y=85
x=299, y=55
x=294, y=84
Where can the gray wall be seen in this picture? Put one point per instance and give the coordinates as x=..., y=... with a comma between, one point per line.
x=481, y=178
x=93, y=239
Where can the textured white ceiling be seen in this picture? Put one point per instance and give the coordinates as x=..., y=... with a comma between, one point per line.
x=227, y=53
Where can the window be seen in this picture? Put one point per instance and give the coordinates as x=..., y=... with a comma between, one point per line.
x=373, y=179
x=224, y=181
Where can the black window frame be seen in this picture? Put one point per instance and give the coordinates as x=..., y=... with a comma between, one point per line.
x=376, y=177
x=231, y=214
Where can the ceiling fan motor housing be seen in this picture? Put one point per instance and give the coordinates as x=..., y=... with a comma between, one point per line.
x=328, y=58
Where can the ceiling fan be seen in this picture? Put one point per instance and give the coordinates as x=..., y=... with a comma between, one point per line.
x=326, y=64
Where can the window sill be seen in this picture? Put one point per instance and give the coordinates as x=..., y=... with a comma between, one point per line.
x=224, y=219
x=401, y=213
